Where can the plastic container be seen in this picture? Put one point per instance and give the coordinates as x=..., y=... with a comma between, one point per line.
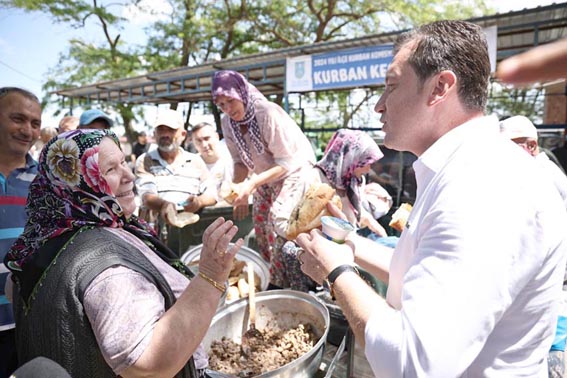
x=336, y=229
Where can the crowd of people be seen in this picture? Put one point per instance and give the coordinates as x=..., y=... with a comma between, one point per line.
x=474, y=280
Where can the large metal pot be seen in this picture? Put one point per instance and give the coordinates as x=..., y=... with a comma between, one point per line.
x=287, y=309
x=244, y=254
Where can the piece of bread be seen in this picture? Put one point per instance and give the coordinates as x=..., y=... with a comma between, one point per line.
x=400, y=217
x=180, y=219
x=308, y=212
x=228, y=192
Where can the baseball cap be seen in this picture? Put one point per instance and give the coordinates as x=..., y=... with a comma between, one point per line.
x=518, y=127
x=170, y=118
x=90, y=115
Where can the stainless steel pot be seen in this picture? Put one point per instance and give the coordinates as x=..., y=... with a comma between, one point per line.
x=286, y=309
x=244, y=254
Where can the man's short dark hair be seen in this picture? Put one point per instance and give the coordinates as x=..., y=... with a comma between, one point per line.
x=457, y=46
x=4, y=91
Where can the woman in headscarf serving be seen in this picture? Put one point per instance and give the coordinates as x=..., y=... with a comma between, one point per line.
x=264, y=140
x=94, y=289
x=347, y=158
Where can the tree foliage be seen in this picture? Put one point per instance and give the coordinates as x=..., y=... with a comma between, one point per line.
x=191, y=32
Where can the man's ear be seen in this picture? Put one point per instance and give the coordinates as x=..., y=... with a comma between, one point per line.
x=442, y=84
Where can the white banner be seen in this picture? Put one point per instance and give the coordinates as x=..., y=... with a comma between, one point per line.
x=298, y=74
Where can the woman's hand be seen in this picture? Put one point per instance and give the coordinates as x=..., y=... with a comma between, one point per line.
x=335, y=211
x=216, y=256
x=240, y=204
x=367, y=220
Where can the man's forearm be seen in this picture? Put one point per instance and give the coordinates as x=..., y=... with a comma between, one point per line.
x=371, y=256
x=206, y=200
x=357, y=301
x=153, y=202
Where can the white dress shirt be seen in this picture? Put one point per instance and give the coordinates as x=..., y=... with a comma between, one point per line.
x=475, y=277
x=555, y=174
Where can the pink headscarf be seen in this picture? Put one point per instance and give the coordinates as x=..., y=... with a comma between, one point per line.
x=234, y=85
x=346, y=151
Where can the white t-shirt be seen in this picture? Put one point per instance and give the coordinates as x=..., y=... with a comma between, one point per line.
x=476, y=275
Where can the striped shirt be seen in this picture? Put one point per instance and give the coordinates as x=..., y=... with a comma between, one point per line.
x=13, y=196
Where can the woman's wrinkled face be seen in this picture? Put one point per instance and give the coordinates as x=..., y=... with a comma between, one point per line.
x=231, y=107
x=117, y=174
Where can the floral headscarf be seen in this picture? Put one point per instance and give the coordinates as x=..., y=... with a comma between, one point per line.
x=234, y=85
x=68, y=193
x=346, y=151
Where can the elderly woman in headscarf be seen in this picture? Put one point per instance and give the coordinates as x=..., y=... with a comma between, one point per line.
x=347, y=158
x=270, y=153
x=94, y=289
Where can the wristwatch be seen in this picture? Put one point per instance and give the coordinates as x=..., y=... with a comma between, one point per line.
x=335, y=273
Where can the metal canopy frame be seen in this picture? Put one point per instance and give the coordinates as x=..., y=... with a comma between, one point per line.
x=517, y=32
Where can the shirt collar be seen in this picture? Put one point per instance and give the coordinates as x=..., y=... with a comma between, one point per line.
x=439, y=153
x=30, y=161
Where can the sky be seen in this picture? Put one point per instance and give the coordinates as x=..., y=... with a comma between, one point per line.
x=30, y=43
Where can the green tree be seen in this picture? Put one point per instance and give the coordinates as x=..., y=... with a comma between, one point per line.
x=85, y=62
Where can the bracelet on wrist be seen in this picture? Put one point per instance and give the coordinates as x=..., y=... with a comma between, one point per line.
x=220, y=287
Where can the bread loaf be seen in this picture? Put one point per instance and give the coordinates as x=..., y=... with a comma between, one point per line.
x=308, y=212
x=400, y=217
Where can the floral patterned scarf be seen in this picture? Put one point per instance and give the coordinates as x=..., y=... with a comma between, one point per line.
x=346, y=151
x=234, y=85
x=68, y=193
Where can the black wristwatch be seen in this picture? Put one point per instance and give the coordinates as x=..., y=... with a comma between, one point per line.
x=335, y=273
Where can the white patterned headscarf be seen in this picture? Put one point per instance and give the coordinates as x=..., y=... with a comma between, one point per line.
x=234, y=85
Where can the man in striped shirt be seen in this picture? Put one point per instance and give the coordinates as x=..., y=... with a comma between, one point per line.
x=20, y=123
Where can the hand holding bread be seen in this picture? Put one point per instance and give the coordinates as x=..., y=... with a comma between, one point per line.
x=308, y=212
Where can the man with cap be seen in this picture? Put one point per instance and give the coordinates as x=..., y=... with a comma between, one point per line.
x=169, y=175
x=522, y=131
x=95, y=119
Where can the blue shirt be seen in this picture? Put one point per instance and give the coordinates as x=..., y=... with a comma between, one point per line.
x=13, y=196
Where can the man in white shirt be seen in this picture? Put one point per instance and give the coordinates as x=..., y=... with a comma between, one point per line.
x=475, y=276
x=215, y=154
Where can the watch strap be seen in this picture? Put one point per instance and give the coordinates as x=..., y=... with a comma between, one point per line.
x=335, y=273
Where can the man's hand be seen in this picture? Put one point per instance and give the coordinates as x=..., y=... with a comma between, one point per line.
x=321, y=255
x=192, y=204
x=165, y=208
x=543, y=63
